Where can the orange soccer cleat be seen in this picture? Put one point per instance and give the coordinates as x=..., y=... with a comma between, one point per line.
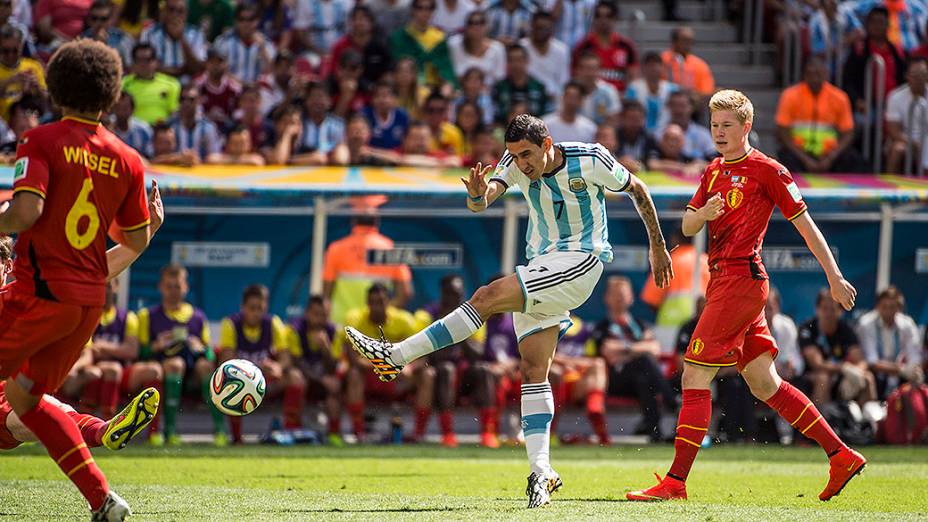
x=449, y=440
x=489, y=440
x=845, y=465
x=667, y=488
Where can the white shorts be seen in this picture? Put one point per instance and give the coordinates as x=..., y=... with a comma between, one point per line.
x=553, y=285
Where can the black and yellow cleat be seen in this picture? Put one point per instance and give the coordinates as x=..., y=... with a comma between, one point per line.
x=377, y=351
x=132, y=419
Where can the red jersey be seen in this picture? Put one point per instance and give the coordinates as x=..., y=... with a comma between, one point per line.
x=224, y=96
x=750, y=186
x=89, y=179
x=614, y=58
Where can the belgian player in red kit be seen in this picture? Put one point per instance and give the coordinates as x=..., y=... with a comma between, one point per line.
x=75, y=183
x=736, y=197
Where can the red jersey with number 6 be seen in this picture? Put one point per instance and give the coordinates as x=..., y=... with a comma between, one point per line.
x=89, y=179
x=750, y=186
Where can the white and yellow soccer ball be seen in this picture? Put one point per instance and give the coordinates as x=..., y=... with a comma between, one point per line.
x=237, y=387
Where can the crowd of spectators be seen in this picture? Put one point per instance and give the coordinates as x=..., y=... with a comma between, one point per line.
x=821, y=120
x=368, y=82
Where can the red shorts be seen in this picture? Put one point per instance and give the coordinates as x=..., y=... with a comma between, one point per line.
x=40, y=340
x=7, y=442
x=732, y=330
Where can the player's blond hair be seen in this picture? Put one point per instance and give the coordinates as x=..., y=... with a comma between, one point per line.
x=734, y=101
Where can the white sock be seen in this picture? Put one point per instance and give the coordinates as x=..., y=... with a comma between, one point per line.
x=537, y=412
x=453, y=328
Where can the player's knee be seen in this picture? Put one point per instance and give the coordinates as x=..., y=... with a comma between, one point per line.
x=485, y=299
x=599, y=366
x=426, y=374
x=152, y=372
x=204, y=367
x=534, y=371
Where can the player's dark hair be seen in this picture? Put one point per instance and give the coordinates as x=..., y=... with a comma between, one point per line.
x=588, y=55
x=435, y=95
x=6, y=248
x=377, y=288
x=172, y=270
x=143, y=46
x=255, y=290
x=315, y=300
x=84, y=76
x=526, y=127
x=652, y=57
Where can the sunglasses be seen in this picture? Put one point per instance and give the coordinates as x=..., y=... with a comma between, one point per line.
x=99, y=18
x=421, y=7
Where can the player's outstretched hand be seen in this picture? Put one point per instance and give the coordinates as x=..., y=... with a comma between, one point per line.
x=661, y=266
x=155, y=207
x=713, y=208
x=476, y=183
x=844, y=293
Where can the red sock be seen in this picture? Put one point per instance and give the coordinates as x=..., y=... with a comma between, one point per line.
x=90, y=396
x=294, y=399
x=235, y=426
x=109, y=398
x=692, y=426
x=596, y=413
x=488, y=420
x=153, y=427
x=446, y=422
x=798, y=410
x=91, y=427
x=356, y=411
x=422, y=421
x=62, y=440
x=335, y=424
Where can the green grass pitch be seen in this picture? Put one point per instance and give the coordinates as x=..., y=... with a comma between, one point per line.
x=744, y=483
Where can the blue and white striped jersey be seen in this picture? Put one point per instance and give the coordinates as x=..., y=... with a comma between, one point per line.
x=203, y=138
x=574, y=23
x=567, y=207
x=245, y=61
x=169, y=51
x=139, y=136
x=324, y=136
x=325, y=20
x=511, y=25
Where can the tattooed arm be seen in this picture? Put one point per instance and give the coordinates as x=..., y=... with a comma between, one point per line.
x=660, y=258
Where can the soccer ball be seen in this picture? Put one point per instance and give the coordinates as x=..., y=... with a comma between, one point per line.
x=237, y=387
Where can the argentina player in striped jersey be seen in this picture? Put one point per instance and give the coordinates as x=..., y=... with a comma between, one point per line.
x=567, y=242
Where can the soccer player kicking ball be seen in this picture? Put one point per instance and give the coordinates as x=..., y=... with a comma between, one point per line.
x=115, y=433
x=567, y=243
x=75, y=183
x=736, y=197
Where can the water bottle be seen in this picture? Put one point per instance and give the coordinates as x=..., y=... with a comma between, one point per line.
x=396, y=429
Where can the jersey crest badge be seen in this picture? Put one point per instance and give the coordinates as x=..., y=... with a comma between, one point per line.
x=697, y=346
x=793, y=190
x=577, y=184
x=734, y=198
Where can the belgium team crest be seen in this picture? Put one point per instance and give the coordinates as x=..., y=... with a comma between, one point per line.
x=734, y=198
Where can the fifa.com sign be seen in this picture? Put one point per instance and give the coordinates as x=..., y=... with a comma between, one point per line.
x=419, y=255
